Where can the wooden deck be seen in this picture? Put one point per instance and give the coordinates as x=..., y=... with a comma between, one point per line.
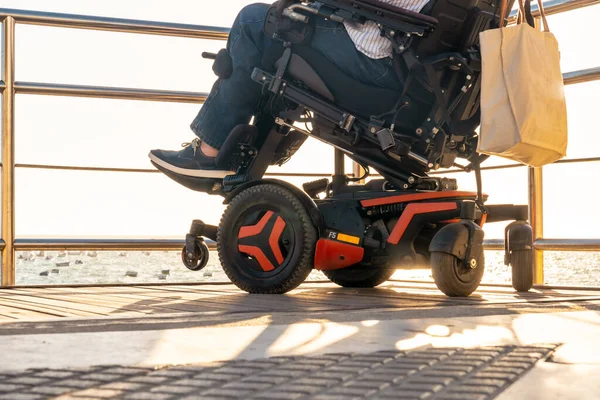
x=50, y=303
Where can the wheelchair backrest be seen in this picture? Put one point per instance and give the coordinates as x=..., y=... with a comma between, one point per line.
x=459, y=24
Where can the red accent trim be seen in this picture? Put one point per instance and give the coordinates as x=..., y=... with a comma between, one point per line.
x=331, y=255
x=257, y=253
x=406, y=198
x=413, y=209
x=274, y=239
x=253, y=230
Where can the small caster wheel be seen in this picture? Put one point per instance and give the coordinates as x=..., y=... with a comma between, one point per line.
x=198, y=258
x=521, y=262
x=518, y=237
x=454, y=277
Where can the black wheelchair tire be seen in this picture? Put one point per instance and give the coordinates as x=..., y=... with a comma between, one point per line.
x=298, y=264
x=522, y=270
x=454, y=279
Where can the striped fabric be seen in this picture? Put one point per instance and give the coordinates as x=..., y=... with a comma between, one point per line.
x=367, y=37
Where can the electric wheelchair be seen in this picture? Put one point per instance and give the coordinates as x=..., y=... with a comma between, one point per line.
x=358, y=231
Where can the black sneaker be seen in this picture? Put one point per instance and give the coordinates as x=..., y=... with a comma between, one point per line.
x=189, y=162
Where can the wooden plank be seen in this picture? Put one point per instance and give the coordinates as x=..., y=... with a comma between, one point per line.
x=157, y=303
x=51, y=312
x=111, y=303
x=256, y=302
x=60, y=305
x=8, y=313
x=163, y=300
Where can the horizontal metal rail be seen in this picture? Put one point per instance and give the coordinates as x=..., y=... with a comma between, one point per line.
x=555, y=7
x=154, y=171
x=115, y=24
x=54, y=89
x=193, y=31
x=98, y=244
x=551, y=244
x=567, y=244
x=581, y=76
x=35, y=244
x=515, y=165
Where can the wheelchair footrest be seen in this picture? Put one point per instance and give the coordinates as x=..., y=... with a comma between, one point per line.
x=235, y=180
x=205, y=185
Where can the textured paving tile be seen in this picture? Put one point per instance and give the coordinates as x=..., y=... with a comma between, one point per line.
x=435, y=374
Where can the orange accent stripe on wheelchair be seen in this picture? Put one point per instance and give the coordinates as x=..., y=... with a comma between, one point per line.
x=274, y=239
x=483, y=220
x=405, y=198
x=412, y=210
x=247, y=231
x=450, y=221
x=257, y=253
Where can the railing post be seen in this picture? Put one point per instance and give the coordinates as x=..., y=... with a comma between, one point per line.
x=536, y=218
x=536, y=208
x=8, y=153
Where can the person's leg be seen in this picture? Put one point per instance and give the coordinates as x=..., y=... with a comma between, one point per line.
x=332, y=40
x=231, y=101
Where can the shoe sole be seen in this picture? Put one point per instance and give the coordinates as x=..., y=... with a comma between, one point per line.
x=196, y=173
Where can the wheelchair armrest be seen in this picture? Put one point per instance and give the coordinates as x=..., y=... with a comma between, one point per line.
x=398, y=18
x=209, y=56
x=401, y=11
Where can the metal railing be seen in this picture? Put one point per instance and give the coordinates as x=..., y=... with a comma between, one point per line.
x=10, y=88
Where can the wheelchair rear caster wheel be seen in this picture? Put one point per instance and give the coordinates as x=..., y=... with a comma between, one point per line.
x=453, y=277
x=266, y=240
x=518, y=237
x=522, y=270
x=196, y=258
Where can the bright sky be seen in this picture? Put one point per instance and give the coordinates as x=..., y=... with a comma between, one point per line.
x=96, y=132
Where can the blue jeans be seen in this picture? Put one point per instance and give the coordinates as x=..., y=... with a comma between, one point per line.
x=233, y=101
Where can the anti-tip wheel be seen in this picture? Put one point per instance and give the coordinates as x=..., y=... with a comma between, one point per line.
x=198, y=258
x=453, y=277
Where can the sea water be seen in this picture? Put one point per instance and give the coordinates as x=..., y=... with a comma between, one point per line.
x=111, y=267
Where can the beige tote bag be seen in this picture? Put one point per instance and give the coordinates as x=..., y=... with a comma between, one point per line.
x=523, y=109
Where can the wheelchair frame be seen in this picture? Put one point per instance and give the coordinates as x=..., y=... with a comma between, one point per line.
x=405, y=218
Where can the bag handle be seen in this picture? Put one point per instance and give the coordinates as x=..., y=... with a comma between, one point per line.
x=502, y=13
x=543, y=14
x=521, y=15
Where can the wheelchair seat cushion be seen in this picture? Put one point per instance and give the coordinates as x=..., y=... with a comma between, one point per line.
x=325, y=78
